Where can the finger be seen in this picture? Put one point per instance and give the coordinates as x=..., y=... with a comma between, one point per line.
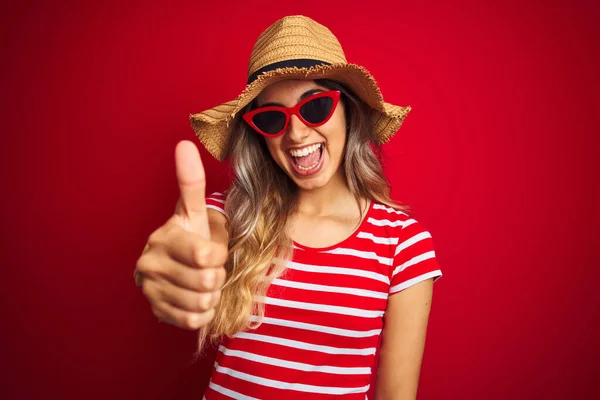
x=192, y=250
x=180, y=318
x=184, y=299
x=192, y=187
x=197, y=279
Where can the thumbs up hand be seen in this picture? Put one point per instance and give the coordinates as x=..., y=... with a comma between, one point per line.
x=182, y=269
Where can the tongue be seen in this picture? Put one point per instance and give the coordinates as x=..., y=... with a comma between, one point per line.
x=307, y=161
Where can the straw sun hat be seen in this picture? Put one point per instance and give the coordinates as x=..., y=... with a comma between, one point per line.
x=297, y=47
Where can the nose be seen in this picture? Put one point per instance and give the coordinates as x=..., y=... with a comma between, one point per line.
x=297, y=131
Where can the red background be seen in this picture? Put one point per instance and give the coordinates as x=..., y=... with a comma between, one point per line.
x=496, y=160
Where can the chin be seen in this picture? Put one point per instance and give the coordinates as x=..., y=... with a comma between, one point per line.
x=311, y=184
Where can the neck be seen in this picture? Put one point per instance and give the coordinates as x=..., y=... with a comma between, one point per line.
x=327, y=200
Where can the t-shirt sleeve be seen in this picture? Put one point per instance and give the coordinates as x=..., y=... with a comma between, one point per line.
x=414, y=258
x=216, y=201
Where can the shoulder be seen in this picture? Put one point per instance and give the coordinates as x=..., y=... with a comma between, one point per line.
x=397, y=220
x=408, y=236
x=413, y=254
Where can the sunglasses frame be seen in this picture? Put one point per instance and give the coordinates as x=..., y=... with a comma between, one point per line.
x=295, y=110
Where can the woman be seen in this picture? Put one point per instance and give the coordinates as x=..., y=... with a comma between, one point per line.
x=293, y=269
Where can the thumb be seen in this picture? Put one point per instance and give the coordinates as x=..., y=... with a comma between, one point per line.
x=192, y=187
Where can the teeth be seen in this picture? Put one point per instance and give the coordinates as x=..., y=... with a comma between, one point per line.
x=306, y=151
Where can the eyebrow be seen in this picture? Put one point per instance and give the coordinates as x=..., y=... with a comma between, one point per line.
x=304, y=95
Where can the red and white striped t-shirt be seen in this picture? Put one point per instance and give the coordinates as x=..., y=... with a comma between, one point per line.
x=324, y=315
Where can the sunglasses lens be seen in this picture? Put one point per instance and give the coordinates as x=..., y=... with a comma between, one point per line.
x=317, y=110
x=270, y=122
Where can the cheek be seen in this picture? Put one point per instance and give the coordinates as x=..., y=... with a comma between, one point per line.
x=336, y=136
x=338, y=132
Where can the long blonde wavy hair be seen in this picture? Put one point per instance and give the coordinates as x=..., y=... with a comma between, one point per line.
x=260, y=202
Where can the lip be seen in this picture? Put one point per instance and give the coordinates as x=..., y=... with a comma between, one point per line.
x=311, y=172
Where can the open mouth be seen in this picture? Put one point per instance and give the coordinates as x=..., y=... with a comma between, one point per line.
x=308, y=158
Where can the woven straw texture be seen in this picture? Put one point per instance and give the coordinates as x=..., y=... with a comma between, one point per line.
x=291, y=38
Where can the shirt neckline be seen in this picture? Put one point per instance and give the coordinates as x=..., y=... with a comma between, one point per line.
x=352, y=236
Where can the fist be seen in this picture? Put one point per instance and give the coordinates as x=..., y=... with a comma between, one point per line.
x=182, y=270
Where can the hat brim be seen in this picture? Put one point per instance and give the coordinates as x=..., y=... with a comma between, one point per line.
x=212, y=126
